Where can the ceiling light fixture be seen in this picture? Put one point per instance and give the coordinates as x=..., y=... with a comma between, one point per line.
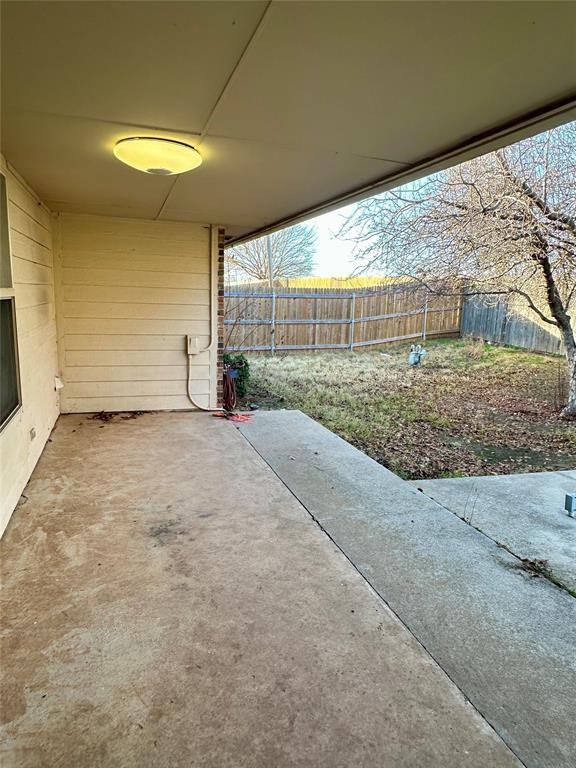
x=163, y=157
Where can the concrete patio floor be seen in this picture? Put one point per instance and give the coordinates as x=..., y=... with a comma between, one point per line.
x=525, y=513
x=168, y=602
x=504, y=634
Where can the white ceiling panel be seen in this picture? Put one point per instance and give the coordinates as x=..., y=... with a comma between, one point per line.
x=398, y=80
x=293, y=105
x=242, y=178
x=154, y=64
x=69, y=163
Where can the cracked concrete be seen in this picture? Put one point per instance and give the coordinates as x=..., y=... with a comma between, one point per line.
x=525, y=513
x=168, y=603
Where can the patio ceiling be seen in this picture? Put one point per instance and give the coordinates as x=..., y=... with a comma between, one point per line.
x=294, y=106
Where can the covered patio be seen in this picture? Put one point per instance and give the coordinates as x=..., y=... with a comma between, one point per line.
x=175, y=605
x=167, y=600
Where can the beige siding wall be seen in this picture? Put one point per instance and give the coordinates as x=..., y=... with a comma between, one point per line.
x=129, y=291
x=24, y=437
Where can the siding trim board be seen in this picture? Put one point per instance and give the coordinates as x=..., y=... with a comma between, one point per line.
x=24, y=436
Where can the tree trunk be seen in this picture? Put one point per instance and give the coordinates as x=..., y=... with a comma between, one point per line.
x=564, y=323
x=569, y=412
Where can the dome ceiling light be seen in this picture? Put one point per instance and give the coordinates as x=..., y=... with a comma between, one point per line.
x=162, y=157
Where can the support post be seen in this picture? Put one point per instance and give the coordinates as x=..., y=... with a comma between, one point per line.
x=352, y=322
x=425, y=318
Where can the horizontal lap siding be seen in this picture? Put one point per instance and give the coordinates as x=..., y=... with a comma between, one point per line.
x=33, y=284
x=132, y=278
x=129, y=293
x=134, y=373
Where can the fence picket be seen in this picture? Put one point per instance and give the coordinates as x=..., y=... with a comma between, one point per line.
x=327, y=318
x=500, y=321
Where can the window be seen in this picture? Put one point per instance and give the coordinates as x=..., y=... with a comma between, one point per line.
x=9, y=371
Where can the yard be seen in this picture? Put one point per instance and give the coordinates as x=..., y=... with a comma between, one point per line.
x=471, y=409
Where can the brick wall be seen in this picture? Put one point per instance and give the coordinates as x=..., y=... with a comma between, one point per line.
x=220, y=324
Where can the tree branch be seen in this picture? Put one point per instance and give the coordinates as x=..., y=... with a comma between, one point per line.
x=542, y=205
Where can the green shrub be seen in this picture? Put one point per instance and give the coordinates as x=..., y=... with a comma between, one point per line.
x=241, y=364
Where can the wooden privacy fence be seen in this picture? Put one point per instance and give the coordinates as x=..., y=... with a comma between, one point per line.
x=499, y=321
x=308, y=319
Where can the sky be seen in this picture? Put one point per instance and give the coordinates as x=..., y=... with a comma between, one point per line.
x=333, y=256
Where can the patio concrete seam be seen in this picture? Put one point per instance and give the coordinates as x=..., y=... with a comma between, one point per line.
x=540, y=574
x=382, y=598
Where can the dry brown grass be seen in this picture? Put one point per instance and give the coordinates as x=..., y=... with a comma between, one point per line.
x=471, y=409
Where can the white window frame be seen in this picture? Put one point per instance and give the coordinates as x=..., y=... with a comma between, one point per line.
x=8, y=292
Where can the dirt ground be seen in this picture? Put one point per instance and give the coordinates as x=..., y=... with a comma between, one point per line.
x=471, y=409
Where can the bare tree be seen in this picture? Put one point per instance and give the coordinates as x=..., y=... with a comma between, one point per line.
x=292, y=249
x=504, y=223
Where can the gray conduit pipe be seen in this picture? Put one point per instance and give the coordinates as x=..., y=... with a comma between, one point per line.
x=190, y=349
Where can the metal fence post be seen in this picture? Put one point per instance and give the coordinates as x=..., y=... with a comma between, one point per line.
x=351, y=317
x=352, y=322
x=273, y=298
x=273, y=324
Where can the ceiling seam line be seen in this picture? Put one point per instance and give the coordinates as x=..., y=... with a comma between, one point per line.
x=430, y=164
x=161, y=209
x=122, y=123
x=235, y=69
x=312, y=150
x=219, y=99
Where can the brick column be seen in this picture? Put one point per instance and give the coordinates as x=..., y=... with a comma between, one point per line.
x=220, y=323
